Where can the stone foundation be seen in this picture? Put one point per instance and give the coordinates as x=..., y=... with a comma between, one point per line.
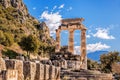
x=70, y=64
x=85, y=75
x=24, y=70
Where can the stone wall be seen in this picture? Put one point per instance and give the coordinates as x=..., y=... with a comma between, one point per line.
x=70, y=64
x=26, y=70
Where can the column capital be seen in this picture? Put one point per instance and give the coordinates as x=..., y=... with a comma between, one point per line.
x=83, y=29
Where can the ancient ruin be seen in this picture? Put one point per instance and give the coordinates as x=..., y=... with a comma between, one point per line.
x=71, y=25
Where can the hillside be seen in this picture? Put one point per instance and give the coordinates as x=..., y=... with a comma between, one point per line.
x=96, y=55
x=16, y=22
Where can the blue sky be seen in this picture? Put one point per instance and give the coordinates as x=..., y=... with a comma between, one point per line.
x=102, y=19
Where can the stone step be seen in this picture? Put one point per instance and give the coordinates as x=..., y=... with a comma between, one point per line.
x=92, y=75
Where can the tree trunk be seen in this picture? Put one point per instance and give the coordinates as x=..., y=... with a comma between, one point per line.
x=28, y=54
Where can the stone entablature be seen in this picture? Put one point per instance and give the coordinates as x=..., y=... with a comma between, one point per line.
x=73, y=21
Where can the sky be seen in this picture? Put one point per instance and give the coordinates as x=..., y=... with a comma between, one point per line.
x=102, y=20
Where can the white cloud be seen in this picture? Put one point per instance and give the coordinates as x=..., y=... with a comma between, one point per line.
x=34, y=8
x=103, y=34
x=97, y=46
x=69, y=9
x=75, y=42
x=61, y=6
x=92, y=47
x=53, y=20
x=54, y=7
x=77, y=50
x=46, y=7
x=88, y=36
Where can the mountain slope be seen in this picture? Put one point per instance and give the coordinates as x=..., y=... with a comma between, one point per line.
x=96, y=55
x=16, y=22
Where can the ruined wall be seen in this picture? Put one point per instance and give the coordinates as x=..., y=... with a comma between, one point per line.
x=70, y=64
x=25, y=70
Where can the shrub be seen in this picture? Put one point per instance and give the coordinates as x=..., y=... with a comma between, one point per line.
x=10, y=53
x=2, y=37
x=9, y=40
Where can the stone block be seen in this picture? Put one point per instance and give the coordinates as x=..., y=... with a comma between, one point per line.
x=57, y=73
x=16, y=65
x=42, y=71
x=9, y=75
x=77, y=65
x=29, y=70
x=46, y=71
x=64, y=64
x=2, y=64
x=52, y=72
x=37, y=76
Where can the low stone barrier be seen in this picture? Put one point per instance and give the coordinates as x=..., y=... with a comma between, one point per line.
x=26, y=70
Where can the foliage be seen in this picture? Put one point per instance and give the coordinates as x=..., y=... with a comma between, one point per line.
x=11, y=21
x=46, y=50
x=30, y=44
x=9, y=53
x=108, y=59
x=2, y=37
x=6, y=39
x=14, y=25
x=92, y=64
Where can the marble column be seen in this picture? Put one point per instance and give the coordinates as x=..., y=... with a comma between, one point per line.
x=57, y=40
x=83, y=57
x=71, y=41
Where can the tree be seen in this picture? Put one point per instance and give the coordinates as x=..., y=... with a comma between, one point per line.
x=108, y=59
x=30, y=44
x=46, y=50
x=92, y=64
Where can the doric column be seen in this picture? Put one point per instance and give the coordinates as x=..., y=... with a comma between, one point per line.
x=57, y=40
x=83, y=49
x=71, y=41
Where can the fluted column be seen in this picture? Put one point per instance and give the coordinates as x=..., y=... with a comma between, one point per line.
x=83, y=49
x=71, y=41
x=57, y=40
